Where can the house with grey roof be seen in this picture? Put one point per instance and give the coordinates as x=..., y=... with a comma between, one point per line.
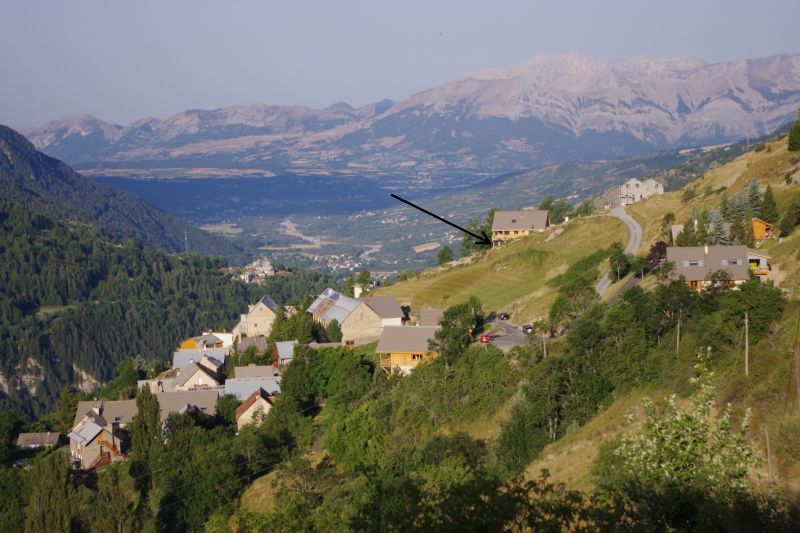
x=256, y=371
x=431, y=316
x=97, y=437
x=405, y=347
x=181, y=358
x=697, y=264
x=254, y=409
x=202, y=401
x=387, y=308
x=509, y=225
x=31, y=441
x=258, y=319
x=196, y=376
x=244, y=387
x=284, y=352
x=260, y=344
x=360, y=319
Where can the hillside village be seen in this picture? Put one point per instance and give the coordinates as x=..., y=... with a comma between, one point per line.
x=478, y=348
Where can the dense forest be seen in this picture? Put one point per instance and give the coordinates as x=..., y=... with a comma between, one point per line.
x=72, y=299
x=52, y=188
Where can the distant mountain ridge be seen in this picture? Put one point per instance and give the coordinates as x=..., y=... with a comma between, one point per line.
x=50, y=187
x=550, y=109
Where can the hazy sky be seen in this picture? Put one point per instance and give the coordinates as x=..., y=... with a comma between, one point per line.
x=121, y=60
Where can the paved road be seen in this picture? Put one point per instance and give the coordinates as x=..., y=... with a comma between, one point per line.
x=634, y=240
x=509, y=337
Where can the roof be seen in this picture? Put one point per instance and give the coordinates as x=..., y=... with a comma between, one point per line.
x=181, y=358
x=520, y=220
x=763, y=222
x=431, y=316
x=331, y=305
x=208, y=338
x=244, y=387
x=259, y=342
x=177, y=401
x=758, y=253
x=285, y=350
x=256, y=371
x=85, y=433
x=252, y=399
x=191, y=369
x=407, y=339
x=697, y=263
x=268, y=302
x=121, y=411
x=384, y=306
x=37, y=440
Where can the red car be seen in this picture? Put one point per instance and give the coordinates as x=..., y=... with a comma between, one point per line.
x=485, y=338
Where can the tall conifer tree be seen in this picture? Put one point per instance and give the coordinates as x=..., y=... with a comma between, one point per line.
x=769, y=208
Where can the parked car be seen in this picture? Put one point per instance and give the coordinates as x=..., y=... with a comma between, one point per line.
x=503, y=316
x=485, y=339
x=527, y=328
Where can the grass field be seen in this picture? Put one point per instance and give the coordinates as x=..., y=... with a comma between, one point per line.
x=512, y=277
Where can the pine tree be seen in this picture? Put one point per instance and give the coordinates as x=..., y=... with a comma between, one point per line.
x=794, y=135
x=687, y=237
x=769, y=208
x=445, y=255
x=716, y=228
x=754, y=198
x=52, y=495
x=725, y=208
x=333, y=331
x=748, y=237
x=702, y=228
x=145, y=438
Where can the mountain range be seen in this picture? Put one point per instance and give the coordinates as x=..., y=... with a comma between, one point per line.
x=550, y=109
x=50, y=187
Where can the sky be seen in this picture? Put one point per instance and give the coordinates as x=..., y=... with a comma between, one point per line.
x=123, y=60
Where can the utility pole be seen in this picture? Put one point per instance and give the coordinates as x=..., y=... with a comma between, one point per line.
x=746, y=346
x=678, y=339
x=544, y=345
x=797, y=370
x=769, y=453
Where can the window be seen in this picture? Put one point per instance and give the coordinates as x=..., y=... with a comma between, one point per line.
x=416, y=357
x=693, y=263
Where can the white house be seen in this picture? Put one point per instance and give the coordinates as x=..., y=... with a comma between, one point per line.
x=635, y=190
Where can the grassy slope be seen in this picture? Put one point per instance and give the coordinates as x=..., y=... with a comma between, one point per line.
x=570, y=459
x=515, y=274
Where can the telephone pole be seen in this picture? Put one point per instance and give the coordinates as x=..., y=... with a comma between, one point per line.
x=769, y=453
x=797, y=370
x=746, y=346
x=678, y=339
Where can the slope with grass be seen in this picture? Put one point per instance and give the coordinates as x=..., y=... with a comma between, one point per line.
x=516, y=277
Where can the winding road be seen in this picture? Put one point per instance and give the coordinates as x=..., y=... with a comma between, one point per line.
x=634, y=240
x=511, y=335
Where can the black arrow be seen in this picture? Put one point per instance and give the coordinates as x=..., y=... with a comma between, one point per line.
x=481, y=239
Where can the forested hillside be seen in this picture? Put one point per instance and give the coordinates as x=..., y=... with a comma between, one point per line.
x=72, y=302
x=50, y=187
